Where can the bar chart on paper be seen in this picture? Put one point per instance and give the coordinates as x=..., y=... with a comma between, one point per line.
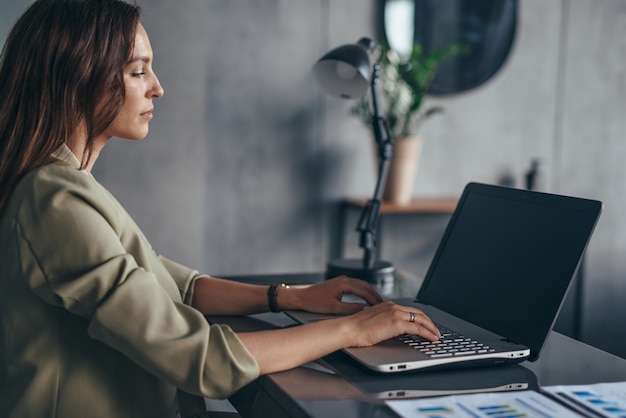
x=527, y=404
x=603, y=399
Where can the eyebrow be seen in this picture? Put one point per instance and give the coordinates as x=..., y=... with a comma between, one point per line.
x=142, y=58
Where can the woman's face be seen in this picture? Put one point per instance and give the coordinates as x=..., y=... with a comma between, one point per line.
x=142, y=86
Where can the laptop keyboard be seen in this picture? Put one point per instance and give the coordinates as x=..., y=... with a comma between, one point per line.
x=451, y=344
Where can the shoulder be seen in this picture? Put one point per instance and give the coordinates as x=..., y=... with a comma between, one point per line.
x=56, y=176
x=57, y=188
x=59, y=174
x=43, y=183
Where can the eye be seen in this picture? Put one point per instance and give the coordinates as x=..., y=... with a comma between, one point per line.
x=137, y=74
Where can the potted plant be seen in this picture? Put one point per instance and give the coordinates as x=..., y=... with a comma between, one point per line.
x=404, y=84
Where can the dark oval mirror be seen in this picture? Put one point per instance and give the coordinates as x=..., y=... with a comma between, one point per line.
x=487, y=27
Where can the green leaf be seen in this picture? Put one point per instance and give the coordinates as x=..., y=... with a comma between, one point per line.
x=404, y=84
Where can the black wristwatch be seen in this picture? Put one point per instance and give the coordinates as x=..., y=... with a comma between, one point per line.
x=272, y=292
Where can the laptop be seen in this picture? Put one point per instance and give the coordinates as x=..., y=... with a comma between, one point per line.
x=497, y=280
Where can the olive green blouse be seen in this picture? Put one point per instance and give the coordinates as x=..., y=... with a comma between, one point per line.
x=92, y=321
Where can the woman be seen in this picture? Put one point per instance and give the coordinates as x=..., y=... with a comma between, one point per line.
x=92, y=321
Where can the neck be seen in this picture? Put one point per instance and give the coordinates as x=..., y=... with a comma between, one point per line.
x=78, y=145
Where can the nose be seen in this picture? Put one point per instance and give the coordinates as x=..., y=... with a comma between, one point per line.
x=157, y=90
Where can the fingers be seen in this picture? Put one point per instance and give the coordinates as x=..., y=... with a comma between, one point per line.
x=414, y=321
x=423, y=325
x=386, y=320
x=359, y=288
x=419, y=322
x=327, y=296
x=369, y=294
x=405, y=319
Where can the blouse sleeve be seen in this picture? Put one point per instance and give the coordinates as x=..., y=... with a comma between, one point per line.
x=183, y=276
x=68, y=235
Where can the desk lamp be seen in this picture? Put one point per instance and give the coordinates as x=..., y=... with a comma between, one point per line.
x=345, y=72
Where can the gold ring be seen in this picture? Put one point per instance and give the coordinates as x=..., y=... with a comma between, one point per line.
x=412, y=317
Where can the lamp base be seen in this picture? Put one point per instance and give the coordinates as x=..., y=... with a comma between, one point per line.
x=381, y=275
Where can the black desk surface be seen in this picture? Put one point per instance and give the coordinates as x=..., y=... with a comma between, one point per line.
x=336, y=387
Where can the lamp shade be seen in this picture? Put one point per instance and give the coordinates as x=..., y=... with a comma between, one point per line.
x=345, y=71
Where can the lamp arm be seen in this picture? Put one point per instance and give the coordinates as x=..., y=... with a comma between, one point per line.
x=369, y=218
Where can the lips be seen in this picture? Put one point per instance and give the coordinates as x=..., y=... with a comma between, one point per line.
x=148, y=114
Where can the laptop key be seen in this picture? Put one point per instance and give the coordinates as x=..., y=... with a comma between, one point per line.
x=450, y=344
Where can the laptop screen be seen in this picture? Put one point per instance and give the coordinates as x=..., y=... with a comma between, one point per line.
x=507, y=258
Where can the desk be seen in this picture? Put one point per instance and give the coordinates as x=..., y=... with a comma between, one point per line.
x=334, y=387
x=418, y=206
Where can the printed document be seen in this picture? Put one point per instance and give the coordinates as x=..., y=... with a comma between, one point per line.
x=526, y=403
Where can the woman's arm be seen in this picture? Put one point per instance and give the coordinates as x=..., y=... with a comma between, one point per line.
x=213, y=296
x=282, y=349
x=286, y=348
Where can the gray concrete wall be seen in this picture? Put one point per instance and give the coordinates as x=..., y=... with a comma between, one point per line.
x=246, y=159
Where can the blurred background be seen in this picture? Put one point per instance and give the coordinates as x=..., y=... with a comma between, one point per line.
x=247, y=160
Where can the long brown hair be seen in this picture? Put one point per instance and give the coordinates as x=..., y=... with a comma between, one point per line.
x=61, y=65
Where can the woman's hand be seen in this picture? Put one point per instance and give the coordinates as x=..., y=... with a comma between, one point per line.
x=387, y=320
x=326, y=297
x=289, y=347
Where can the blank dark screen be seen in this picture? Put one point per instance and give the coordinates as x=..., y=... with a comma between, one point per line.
x=509, y=263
